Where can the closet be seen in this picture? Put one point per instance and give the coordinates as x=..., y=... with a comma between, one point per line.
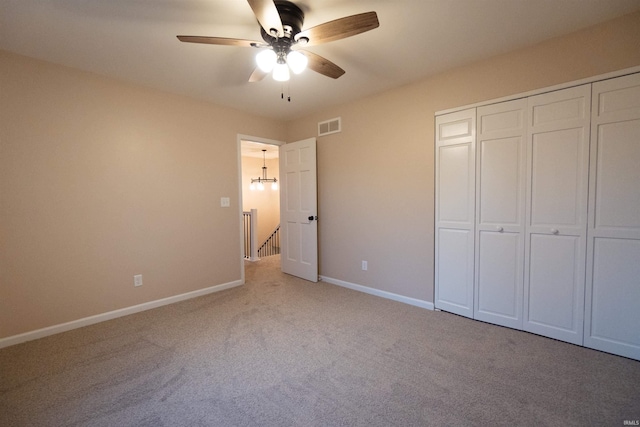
x=538, y=214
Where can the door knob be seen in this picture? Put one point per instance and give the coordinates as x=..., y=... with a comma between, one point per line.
x=555, y=231
x=500, y=229
x=311, y=218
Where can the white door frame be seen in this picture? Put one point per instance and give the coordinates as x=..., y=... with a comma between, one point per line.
x=240, y=138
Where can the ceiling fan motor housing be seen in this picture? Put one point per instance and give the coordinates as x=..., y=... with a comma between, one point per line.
x=292, y=19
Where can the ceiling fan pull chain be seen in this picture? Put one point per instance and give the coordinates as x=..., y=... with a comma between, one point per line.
x=288, y=92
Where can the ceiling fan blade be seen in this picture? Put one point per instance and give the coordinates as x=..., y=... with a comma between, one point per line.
x=257, y=75
x=268, y=16
x=322, y=65
x=339, y=29
x=220, y=41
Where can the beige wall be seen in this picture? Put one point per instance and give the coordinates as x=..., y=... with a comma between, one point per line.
x=267, y=201
x=101, y=180
x=376, y=178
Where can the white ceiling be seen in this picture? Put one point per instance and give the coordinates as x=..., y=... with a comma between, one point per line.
x=135, y=40
x=254, y=149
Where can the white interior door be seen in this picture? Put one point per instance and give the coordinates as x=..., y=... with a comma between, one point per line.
x=612, y=315
x=558, y=160
x=299, y=209
x=455, y=211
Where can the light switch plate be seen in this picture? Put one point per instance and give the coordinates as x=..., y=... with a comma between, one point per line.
x=225, y=202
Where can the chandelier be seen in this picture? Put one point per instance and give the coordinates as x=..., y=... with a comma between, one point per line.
x=261, y=180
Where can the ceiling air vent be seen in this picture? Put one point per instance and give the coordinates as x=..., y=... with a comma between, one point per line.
x=329, y=126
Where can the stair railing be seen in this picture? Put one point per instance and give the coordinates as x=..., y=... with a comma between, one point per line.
x=271, y=245
x=250, y=226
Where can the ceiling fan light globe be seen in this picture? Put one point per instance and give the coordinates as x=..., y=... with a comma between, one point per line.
x=266, y=60
x=281, y=73
x=297, y=61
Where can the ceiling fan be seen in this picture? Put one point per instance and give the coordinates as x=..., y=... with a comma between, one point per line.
x=281, y=29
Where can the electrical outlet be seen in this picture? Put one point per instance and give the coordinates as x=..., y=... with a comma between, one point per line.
x=137, y=280
x=364, y=265
x=225, y=202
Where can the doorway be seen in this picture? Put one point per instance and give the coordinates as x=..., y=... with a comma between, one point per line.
x=297, y=162
x=259, y=158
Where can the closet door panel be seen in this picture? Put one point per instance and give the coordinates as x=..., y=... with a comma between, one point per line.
x=456, y=184
x=556, y=286
x=615, y=317
x=557, y=107
x=612, y=315
x=455, y=271
x=499, y=298
x=556, y=213
x=455, y=212
x=617, y=172
x=500, y=187
x=500, y=173
x=558, y=171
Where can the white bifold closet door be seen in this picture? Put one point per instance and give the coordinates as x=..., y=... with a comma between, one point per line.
x=500, y=202
x=612, y=315
x=556, y=213
x=455, y=212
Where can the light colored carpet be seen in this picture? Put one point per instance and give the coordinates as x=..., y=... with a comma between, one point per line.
x=280, y=351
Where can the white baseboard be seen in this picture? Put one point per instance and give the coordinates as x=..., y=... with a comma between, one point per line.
x=63, y=327
x=384, y=294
